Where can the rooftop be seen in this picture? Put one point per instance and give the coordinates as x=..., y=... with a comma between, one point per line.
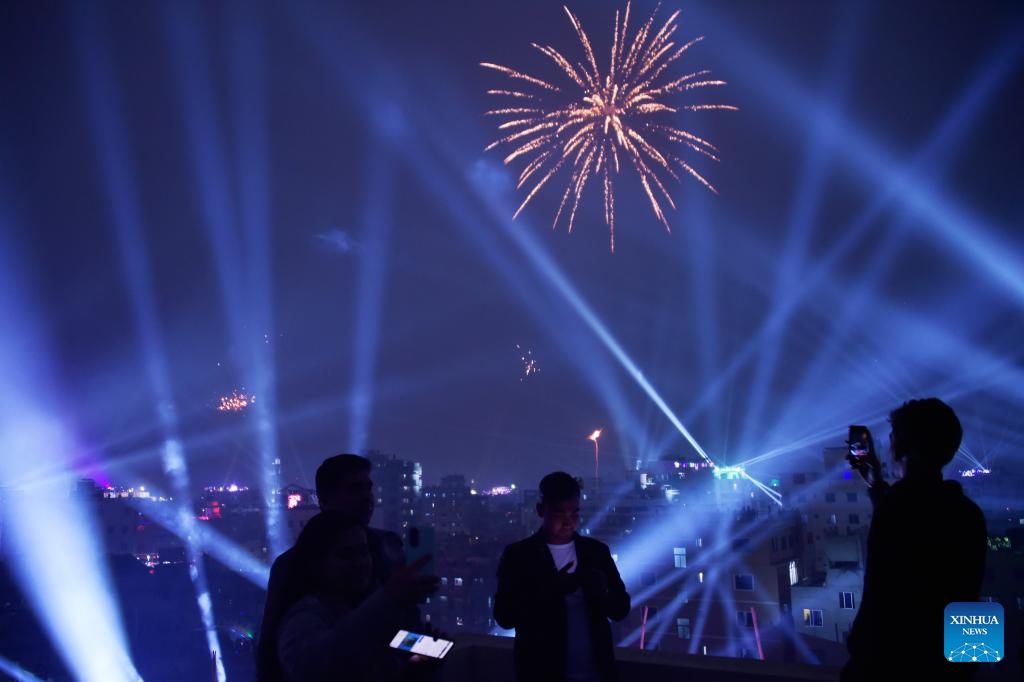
x=483, y=658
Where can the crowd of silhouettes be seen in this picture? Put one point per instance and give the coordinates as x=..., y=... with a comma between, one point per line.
x=339, y=595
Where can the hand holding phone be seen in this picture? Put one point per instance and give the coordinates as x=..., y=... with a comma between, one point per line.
x=409, y=585
x=422, y=543
x=567, y=582
x=861, y=456
x=421, y=645
x=859, y=440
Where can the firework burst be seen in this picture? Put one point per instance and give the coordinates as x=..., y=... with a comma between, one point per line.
x=599, y=121
x=236, y=401
x=529, y=363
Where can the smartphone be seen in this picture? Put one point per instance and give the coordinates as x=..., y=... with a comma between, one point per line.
x=424, y=645
x=859, y=441
x=422, y=541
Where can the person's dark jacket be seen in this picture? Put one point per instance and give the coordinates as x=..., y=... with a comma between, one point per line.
x=387, y=552
x=324, y=640
x=531, y=598
x=926, y=548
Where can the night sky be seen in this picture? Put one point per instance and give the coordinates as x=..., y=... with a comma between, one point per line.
x=294, y=199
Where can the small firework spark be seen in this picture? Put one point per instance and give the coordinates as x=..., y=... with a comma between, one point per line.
x=529, y=363
x=235, y=402
x=605, y=119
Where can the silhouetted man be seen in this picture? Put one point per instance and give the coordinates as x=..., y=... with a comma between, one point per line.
x=343, y=484
x=926, y=548
x=559, y=589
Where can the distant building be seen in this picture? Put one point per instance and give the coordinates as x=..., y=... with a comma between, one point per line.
x=720, y=587
x=296, y=496
x=451, y=508
x=128, y=526
x=396, y=485
x=837, y=503
x=220, y=501
x=825, y=604
x=837, y=511
x=472, y=529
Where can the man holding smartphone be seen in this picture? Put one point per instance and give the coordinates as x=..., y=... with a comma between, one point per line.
x=559, y=589
x=926, y=548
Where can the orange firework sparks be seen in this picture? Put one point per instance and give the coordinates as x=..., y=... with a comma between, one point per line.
x=236, y=402
x=605, y=119
x=529, y=363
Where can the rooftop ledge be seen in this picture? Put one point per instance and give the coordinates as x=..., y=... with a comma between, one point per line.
x=485, y=658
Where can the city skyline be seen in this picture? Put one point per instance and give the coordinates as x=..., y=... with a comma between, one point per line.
x=694, y=544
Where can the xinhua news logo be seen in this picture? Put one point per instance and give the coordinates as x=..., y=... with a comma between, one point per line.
x=973, y=632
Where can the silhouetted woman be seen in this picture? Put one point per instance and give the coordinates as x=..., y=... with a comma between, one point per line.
x=337, y=620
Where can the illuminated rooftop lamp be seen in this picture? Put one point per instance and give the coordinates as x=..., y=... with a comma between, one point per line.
x=594, y=436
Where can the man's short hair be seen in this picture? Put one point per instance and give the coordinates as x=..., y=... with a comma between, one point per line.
x=928, y=429
x=559, y=487
x=333, y=470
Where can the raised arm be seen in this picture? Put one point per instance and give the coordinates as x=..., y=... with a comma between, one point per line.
x=605, y=584
x=314, y=643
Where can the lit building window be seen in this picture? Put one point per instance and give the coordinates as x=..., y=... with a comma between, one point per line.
x=679, y=557
x=458, y=582
x=846, y=600
x=683, y=628
x=813, y=618
x=794, y=575
x=700, y=577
